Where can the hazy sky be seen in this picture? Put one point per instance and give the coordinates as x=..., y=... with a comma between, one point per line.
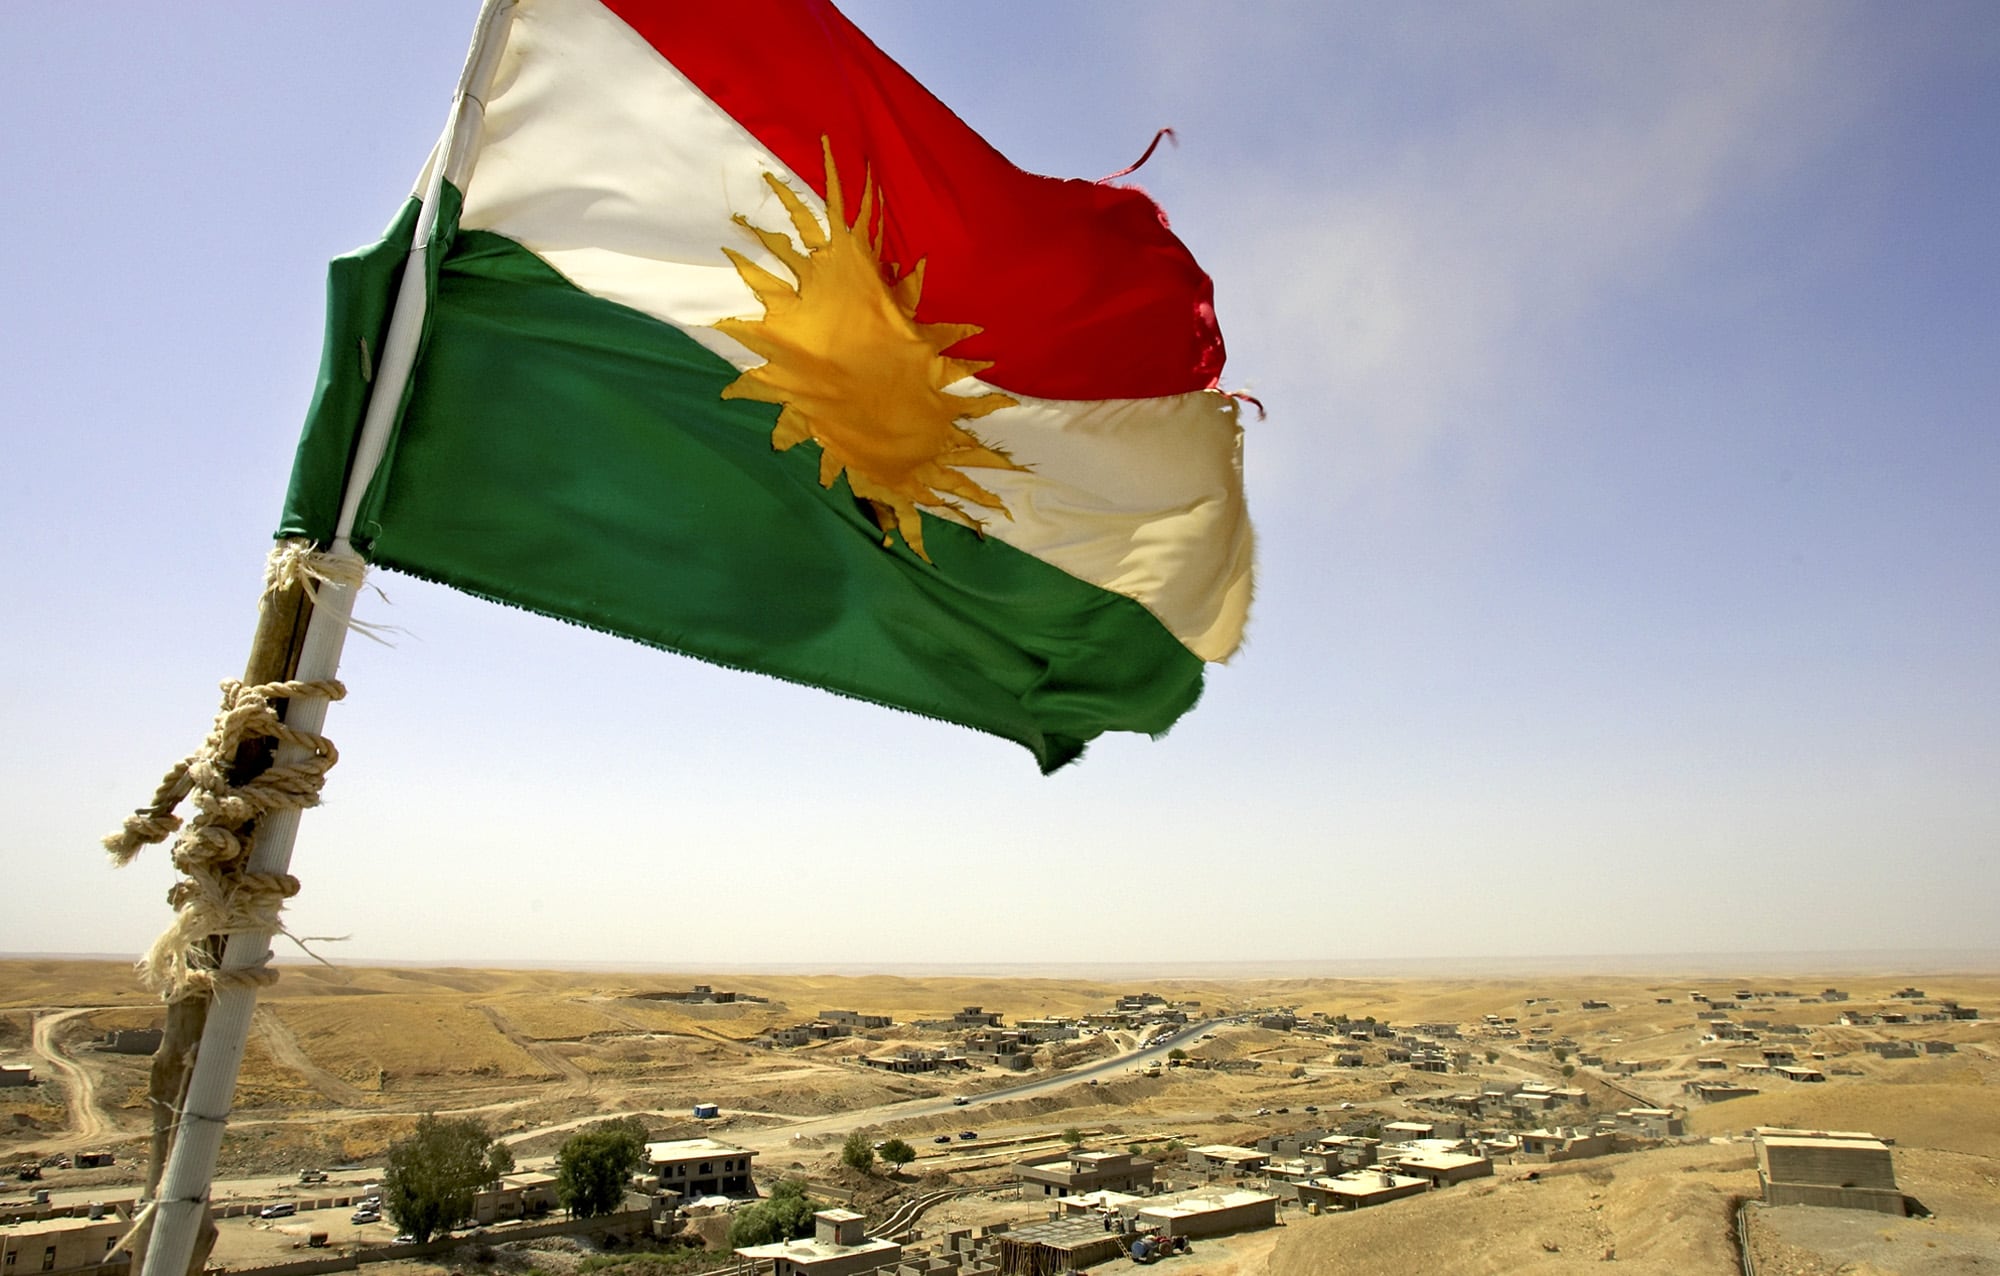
x=1629, y=557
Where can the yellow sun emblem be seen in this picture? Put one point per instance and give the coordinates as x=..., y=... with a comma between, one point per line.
x=853, y=370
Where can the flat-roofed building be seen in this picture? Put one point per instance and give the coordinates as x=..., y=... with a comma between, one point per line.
x=1226, y=1158
x=1082, y=1172
x=1657, y=1123
x=1564, y=1144
x=1358, y=1189
x=701, y=1167
x=515, y=1196
x=837, y=1247
x=1442, y=1169
x=1848, y=1171
x=56, y=1245
x=1718, y=1091
x=1210, y=1213
x=17, y=1074
x=855, y=1019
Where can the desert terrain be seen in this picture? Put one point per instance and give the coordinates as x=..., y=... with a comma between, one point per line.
x=344, y=1060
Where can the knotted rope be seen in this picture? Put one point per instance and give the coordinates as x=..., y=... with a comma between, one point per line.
x=217, y=894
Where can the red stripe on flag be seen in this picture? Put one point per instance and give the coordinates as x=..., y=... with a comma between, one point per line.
x=1082, y=290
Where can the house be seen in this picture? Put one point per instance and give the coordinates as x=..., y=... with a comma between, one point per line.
x=58, y=1245
x=12, y=1074
x=999, y=1048
x=1209, y=1213
x=131, y=1040
x=1226, y=1158
x=976, y=1017
x=1051, y=1029
x=1847, y=1171
x=515, y=1196
x=1441, y=1169
x=1082, y=1172
x=1800, y=1074
x=837, y=1247
x=1359, y=1189
x=700, y=1167
x=1563, y=1144
x=854, y=1020
x=1654, y=1123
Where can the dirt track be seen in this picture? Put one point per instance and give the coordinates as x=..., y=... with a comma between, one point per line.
x=87, y=1122
x=284, y=1048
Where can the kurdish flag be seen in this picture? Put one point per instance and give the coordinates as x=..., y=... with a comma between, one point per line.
x=741, y=344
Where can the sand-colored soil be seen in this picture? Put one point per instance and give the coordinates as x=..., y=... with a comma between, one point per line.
x=342, y=1061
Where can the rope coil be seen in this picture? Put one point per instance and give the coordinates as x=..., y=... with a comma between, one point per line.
x=217, y=894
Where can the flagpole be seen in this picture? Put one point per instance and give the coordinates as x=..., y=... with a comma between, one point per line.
x=182, y=1203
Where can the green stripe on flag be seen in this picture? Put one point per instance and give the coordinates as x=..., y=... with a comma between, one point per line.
x=574, y=457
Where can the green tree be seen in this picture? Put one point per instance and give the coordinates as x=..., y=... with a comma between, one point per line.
x=1072, y=1136
x=595, y=1162
x=786, y=1215
x=1177, y=1053
x=897, y=1153
x=431, y=1176
x=1569, y=1069
x=1492, y=1056
x=857, y=1153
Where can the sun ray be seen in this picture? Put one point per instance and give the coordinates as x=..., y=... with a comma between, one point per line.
x=851, y=368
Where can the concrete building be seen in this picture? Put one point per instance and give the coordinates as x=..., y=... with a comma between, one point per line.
x=1209, y=1213
x=131, y=1040
x=855, y=1020
x=999, y=1048
x=12, y=1074
x=58, y=1245
x=515, y=1196
x=1359, y=1189
x=1226, y=1158
x=700, y=1167
x=1085, y=1172
x=1848, y=1171
x=1564, y=1145
x=837, y=1247
x=976, y=1017
x=1654, y=1123
x=1442, y=1169
x=1715, y=1093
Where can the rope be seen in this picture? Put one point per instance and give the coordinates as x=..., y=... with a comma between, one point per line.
x=217, y=894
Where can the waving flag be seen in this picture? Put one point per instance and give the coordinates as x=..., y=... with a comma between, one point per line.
x=741, y=344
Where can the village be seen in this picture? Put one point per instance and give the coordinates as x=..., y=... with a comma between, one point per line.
x=1061, y=1141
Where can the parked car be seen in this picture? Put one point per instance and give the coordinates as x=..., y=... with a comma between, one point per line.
x=278, y=1209
x=366, y=1214
x=312, y=1176
x=1312, y=1107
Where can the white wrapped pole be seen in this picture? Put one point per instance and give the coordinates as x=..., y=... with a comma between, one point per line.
x=184, y=1190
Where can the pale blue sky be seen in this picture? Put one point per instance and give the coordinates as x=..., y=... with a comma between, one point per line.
x=1629, y=565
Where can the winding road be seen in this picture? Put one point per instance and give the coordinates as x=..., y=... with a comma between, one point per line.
x=87, y=1121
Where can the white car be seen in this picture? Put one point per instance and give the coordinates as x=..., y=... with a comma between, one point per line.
x=282, y=1209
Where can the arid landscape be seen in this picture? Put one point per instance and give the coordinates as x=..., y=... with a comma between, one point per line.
x=344, y=1060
